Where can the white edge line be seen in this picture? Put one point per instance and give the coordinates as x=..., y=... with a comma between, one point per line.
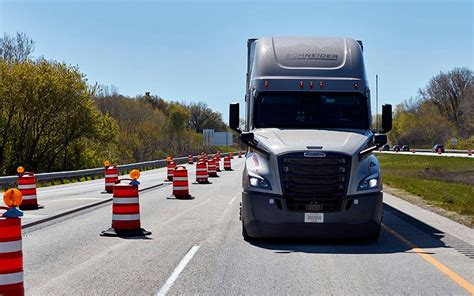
x=177, y=271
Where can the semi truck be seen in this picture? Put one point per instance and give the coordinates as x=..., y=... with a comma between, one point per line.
x=309, y=170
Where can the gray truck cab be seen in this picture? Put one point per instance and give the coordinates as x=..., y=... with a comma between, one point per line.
x=309, y=170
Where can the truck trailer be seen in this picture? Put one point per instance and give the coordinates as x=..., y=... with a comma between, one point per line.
x=309, y=170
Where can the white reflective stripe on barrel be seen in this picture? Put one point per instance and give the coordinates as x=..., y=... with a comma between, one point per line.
x=8, y=247
x=201, y=170
x=29, y=197
x=26, y=186
x=109, y=184
x=125, y=200
x=125, y=217
x=180, y=179
x=202, y=176
x=11, y=278
x=111, y=176
x=180, y=187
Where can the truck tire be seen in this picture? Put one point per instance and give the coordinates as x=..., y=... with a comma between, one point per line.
x=374, y=235
x=247, y=238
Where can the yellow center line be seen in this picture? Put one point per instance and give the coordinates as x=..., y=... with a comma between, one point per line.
x=440, y=266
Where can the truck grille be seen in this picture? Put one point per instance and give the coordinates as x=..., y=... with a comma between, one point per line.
x=314, y=184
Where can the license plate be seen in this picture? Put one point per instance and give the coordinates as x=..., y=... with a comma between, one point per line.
x=313, y=217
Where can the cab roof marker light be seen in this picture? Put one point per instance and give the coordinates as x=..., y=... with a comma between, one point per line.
x=321, y=85
x=311, y=85
x=301, y=84
x=266, y=84
x=356, y=85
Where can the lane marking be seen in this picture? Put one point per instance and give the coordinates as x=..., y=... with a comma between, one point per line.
x=232, y=200
x=177, y=271
x=440, y=266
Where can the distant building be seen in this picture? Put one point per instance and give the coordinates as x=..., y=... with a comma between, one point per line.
x=213, y=138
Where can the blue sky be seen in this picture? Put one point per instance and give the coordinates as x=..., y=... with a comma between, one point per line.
x=196, y=50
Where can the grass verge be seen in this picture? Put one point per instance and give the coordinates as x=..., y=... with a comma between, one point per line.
x=445, y=182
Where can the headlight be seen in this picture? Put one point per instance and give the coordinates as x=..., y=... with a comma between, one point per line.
x=370, y=182
x=258, y=181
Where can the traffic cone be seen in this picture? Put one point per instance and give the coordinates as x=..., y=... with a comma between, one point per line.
x=227, y=164
x=469, y=152
x=413, y=150
x=240, y=154
x=231, y=155
x=27, y=187
x=171, y=166
x=439, y=151
x=126, y=209
x=218, y=163
x=111, y=176
x=211, y=168
x=201, y=173
x=11, y=255
x=180, y=183
x=190, y=159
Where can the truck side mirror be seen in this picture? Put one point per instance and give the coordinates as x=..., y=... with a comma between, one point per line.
x=380, y=140
x=386, y=118
x=234, y=116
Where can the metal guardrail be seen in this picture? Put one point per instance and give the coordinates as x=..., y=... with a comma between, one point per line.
x=10, y=181
x=445, y=151
x=430, y=150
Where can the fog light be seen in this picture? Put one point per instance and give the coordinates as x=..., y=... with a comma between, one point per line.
x=373, y=183
x=254, y=182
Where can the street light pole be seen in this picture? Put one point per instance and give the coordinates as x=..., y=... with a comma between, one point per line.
x=377, y=102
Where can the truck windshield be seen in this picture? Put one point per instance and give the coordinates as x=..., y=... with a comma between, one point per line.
x=311, y=110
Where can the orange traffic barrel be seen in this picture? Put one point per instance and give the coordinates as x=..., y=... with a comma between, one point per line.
x=27, y=187
x=413, y=150
x=217, y=162
x=180, y=182
x=126, y=210
x=201, y=173
x=231, y=155
x=190, y=159
x=111, y=176
x=211, y=168
x=240, y=154
x=469, y=152
x=11, y=255
x=171, y=167
x=227, y=164
x=440, y=151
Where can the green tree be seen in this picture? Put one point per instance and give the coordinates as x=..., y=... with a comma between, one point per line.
x=48, y=117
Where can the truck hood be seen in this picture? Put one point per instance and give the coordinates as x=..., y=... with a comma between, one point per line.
x=279, y=141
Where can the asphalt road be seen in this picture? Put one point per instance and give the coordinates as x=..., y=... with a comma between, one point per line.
x=196, y=247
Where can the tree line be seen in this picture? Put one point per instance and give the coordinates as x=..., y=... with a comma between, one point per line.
x=444, y=109
x=51, y=119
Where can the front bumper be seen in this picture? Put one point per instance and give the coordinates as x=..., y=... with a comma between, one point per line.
x=266, y=216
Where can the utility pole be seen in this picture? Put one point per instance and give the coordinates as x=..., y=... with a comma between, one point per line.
x=377, y=102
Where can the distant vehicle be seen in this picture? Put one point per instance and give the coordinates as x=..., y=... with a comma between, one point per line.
x=438, y=146
x=385, y=147
x=308, y=124
x=396, y=148
x=405, y=148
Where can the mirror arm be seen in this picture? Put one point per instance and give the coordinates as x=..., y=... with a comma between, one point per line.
x=238, y=130
x=367, y=151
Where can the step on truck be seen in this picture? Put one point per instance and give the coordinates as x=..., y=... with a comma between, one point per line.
x=309, y=170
